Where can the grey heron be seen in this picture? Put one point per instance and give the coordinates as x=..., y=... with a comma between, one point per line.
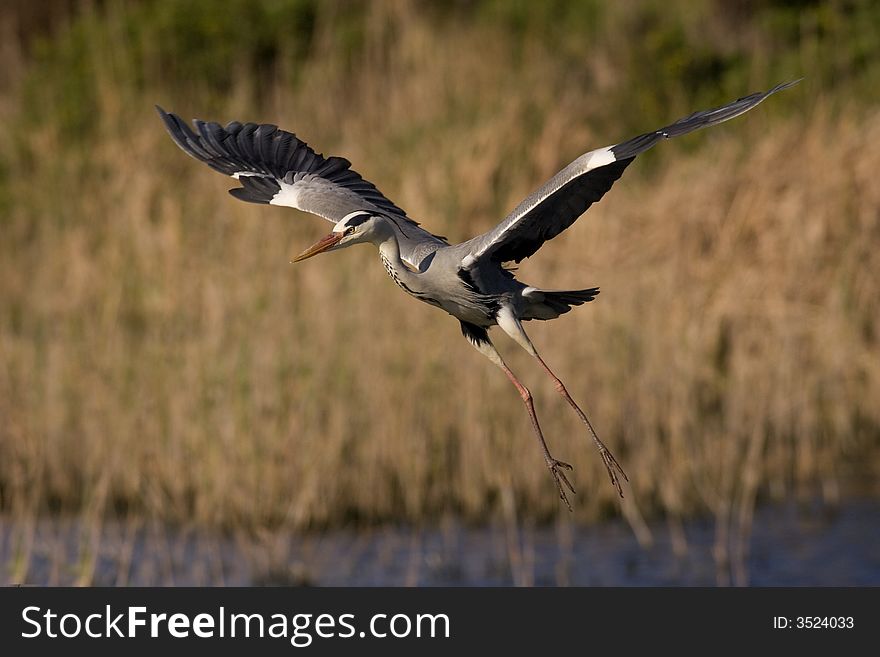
x=468, y=280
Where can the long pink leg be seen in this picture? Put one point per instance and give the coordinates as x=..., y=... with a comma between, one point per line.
x=608, y=459
x=511, y=325
x=480, y=340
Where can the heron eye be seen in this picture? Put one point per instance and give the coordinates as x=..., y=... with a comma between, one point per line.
x=348, y=231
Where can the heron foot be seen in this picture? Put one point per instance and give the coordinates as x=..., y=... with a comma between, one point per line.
x=615, y=472
x=556, y=469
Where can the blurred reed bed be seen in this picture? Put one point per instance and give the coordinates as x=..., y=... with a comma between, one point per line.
x=160, y=357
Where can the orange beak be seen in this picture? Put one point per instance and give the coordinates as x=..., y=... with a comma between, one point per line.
x=323, y=244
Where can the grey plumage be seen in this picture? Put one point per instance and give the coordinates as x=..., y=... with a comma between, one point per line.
x=267, y=161
x=468, y=280
x=561, y=200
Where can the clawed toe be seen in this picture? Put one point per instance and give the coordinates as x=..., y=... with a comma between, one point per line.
x=556, y=469
x=614, y=469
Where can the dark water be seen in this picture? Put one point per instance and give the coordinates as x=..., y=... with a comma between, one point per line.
x=789, y=545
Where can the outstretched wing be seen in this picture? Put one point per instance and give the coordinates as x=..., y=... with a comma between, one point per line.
x=565, y=197
x=275, y=167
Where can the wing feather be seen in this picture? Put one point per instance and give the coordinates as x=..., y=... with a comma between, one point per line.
x=565, y=197
x=275, y=167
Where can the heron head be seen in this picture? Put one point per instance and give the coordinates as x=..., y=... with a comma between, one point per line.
x=354, y=228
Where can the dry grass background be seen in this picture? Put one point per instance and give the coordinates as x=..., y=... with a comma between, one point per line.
x=159, y=355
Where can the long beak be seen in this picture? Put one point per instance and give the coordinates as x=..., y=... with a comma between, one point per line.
x=323, y=244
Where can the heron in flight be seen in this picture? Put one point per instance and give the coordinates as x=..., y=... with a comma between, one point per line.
x=470, y=280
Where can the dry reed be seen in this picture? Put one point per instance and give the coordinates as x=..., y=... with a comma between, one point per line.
x=160, y=356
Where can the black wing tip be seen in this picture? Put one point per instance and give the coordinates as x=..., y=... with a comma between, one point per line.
x=167, y=118
x=696, y=120
x=785, y=85
x=170, y=119
x=755, y=98
x=175, y=127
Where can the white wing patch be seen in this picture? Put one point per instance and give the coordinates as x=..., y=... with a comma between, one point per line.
x=239, y=174
x=288, y=196
x=600, y=158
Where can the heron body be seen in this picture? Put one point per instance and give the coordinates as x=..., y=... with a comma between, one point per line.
x=469, y=280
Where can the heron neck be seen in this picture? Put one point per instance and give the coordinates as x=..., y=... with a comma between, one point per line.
x=389, y=252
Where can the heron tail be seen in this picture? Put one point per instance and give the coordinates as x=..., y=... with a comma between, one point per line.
x=550, y=304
